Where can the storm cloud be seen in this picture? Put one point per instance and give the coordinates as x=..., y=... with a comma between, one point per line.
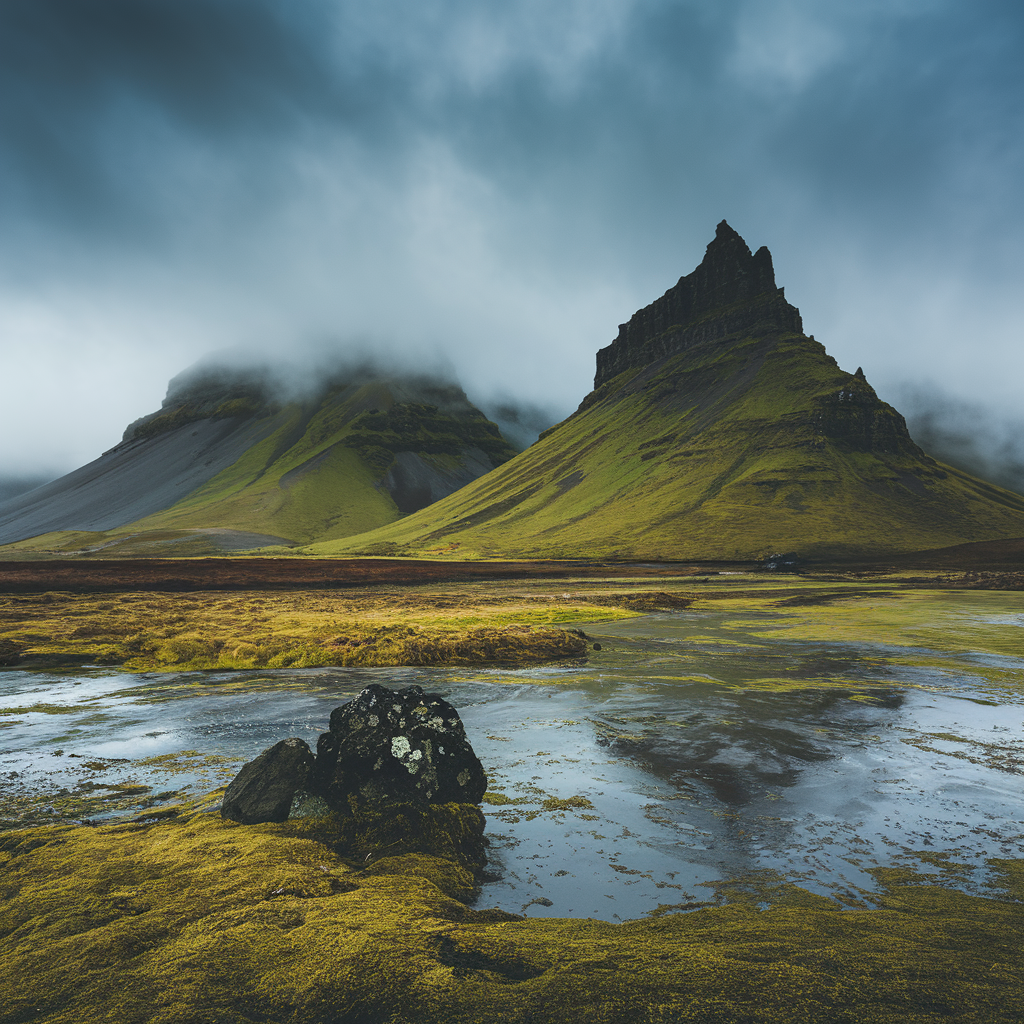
x=495, y=186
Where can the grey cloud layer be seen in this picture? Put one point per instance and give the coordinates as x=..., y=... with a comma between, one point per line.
x=500, y=183
x=874, y=105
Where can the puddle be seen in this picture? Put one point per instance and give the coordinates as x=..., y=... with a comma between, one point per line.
x=693, y=749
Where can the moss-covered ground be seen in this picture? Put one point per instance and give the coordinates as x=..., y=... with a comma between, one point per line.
x=489, y=622
x=299, y=629
x=189, y=918
x=179, y=916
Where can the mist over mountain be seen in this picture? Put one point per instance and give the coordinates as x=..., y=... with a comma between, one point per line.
x=521, y=422
x=967, y=435
x=245, y=456
x=497, y=183
x=12, y=486
x=716, y=429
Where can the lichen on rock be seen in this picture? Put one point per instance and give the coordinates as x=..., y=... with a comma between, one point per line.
x=403, y=746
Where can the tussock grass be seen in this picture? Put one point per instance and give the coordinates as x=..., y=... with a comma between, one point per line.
x=301, y=629
x=487, y=622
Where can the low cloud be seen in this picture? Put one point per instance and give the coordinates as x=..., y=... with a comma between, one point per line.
x=967, y=435
x=497, y=185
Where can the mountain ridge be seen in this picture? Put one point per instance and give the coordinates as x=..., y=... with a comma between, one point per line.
x=230, y=452
x=714, y=433
x=730, y=291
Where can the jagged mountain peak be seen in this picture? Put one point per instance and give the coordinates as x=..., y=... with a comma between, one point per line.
x=729, y=273
x=731, y=292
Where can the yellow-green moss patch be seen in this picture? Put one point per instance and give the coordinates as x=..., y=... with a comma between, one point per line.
x=195, y=919
x=297, y=629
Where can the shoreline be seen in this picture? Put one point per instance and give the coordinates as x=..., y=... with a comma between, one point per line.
x=190, y=917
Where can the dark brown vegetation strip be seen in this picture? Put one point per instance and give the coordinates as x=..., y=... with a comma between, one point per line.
x=80, y=575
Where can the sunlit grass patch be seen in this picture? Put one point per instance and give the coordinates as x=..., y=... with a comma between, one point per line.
x=299, y=629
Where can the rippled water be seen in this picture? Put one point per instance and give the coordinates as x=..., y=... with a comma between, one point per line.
x=705, y=751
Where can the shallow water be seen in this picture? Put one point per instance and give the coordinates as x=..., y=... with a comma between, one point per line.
x=707, y=748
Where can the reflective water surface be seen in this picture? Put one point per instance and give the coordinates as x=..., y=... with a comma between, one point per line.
x=697, y=749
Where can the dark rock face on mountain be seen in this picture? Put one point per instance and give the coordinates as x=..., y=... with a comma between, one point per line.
x=400, y=746
x=265, y=787
x=857, y=420
x=736, y=287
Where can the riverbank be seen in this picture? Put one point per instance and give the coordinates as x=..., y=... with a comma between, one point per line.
x=192, y=918
x=507, y=620
x=816, y=778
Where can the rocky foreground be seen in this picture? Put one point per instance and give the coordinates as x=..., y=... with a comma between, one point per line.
x=362, y=911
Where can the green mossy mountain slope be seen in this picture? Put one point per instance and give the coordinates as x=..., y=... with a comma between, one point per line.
x=731, y=435
x=364, y=450
x=363, y=454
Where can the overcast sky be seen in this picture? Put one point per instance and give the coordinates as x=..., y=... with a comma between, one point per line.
x=495, y=183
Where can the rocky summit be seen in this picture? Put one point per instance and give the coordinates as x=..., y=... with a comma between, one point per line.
x=717, y=430
x=731, y=292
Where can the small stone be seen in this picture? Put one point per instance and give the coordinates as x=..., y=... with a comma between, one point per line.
x=308, y=805
x=265, y=787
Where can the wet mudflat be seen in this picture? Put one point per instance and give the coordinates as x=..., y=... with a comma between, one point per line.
x=694, y=749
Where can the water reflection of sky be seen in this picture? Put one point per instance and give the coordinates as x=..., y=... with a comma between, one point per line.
x=705, y=753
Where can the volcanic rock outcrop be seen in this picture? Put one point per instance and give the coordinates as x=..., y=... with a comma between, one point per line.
x=384, y=747
x=731, y=292
x=265, y=787
x=397, y=745
x=717, y=430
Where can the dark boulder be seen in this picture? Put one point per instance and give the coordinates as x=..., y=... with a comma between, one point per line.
x=403, y=746
x=264, y=789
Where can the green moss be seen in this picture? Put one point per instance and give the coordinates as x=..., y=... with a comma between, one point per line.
x=502, y=799
x=553, y=803
x=381, y=434
x=331, y=492
x=451, y=832
x=247, y=405
x=191, y=918
x=300, y=629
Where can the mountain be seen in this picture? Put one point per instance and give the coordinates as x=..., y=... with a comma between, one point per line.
x=232, y=461
x=716, y=430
